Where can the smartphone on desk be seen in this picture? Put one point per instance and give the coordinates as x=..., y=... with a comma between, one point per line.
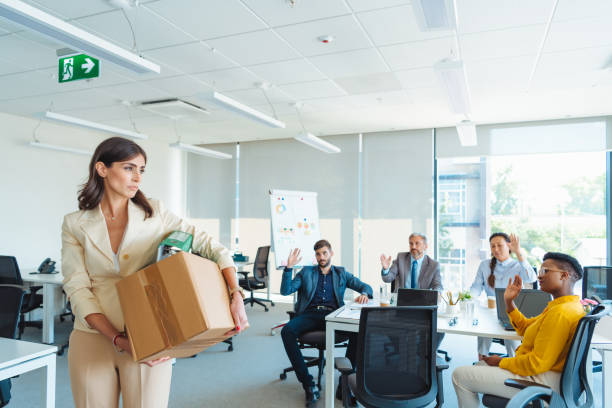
x=46, y=267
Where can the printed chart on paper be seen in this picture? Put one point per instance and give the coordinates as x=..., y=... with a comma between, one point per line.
x=295, y=224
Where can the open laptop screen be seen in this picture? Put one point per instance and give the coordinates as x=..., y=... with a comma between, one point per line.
x=417, y=297
x=530, y=302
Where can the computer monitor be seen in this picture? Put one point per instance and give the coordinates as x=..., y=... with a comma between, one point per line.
x=417, y=297
x=597, y=280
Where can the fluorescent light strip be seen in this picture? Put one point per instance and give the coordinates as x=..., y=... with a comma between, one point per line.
x=452, y=77
x=44, y=23
x=316, y=142
x=60, y=148
x=467, y=133
x=200, y=150
x=244, y=110
x=434, y=15
x=93, y=125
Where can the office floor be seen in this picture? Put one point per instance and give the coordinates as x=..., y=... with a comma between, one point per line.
x=247, y=376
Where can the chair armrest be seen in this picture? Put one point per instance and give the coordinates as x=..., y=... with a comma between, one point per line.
x=291, y=314
x=343, y=365
x=441, y=364
x=532, y=394
x=244, y=274
x=521, y=384
x=34, y=289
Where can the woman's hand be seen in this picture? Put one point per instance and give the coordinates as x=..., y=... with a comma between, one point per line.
x=385, y=261
x=515, y=247
x=155, y=362
x=123, y=342
x=294, y=258
x=512, y=291
x=238, y=313
x=492, y=360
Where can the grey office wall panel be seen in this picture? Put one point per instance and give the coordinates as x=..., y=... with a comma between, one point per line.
x=210, y=189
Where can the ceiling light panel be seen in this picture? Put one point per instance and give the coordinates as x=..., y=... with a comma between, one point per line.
x=72, y=36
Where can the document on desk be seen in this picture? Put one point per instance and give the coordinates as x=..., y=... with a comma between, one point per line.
x=371, y=303
x=353, y=310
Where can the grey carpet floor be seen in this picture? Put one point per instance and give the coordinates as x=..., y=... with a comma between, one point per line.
x=248, y=376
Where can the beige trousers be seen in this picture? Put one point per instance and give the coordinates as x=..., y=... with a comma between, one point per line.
x=98, y=374
x=469, y=381
x=484, y=344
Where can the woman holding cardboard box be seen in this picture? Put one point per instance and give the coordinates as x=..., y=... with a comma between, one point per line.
x=114, y=234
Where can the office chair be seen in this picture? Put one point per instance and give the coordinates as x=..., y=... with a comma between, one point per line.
x=595, y=283
x=397, y=365
x=440, y=335
x=11, y=300
x=315, y=340
x=574, y=381
x=259, y=280
x=10, y=275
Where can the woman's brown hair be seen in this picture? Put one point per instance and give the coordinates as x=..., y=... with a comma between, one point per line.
x=114, y=149
x=491, y=278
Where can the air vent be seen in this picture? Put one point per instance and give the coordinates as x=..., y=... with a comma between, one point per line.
x=173, y=108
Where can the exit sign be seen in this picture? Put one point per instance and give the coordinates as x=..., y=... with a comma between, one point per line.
x=76, y=67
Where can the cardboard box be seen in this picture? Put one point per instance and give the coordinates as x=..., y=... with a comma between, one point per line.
x=176, y=307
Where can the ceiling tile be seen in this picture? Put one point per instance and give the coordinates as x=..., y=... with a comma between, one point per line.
x=229, y=79
x=69, y=9
x=149, y=30
x=347, y=34
x=26, y=84
x=284, y=72
x=566, y=80
x=584, y=60
x=254, y=97
x=25, y=53
x=478, y=15
x=396, y=25
x=417, y=78
x=362, y=5
x=254, y=48
x=178, y=86
x=583, y=33
x=493, y=76
x=207, y=18
x=314, y=89
x=381, y=82
x=134, y=92
x=419, y=54
x=277, y=13
x=577, y=9
x=510, y=42
x=352, y=63
x=190, y=58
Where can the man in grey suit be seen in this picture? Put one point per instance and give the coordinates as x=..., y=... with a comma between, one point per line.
x=412, y=269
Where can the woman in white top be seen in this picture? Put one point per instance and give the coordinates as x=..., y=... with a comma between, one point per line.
x=496, y=273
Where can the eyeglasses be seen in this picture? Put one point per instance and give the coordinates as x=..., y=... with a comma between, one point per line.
x=543, y=271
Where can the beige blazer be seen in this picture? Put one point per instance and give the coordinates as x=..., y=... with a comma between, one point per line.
x=88, y=263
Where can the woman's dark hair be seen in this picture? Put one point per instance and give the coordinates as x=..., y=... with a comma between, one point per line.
x=114, y=149
x=491, y=278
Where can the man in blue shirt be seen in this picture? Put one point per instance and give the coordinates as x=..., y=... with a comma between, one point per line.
x=320, y=291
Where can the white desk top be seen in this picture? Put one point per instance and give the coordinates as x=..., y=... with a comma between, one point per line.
x=488, y=325
x=16, y=351
x=53, y=278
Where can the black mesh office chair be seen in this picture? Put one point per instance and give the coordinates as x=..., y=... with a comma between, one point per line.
x=259, y=280
x=315, y=340
x=447, y=357
x=574, y=383
x=11, y=299
x=10, y=275
x=397, y=365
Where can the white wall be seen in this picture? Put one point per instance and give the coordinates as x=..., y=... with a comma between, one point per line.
x=38, y=187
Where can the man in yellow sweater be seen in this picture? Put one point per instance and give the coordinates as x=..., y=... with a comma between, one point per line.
x=546, y=337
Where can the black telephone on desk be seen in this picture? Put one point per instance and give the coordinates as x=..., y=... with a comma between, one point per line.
x=47, y=266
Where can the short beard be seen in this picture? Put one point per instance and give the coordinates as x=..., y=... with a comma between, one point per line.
x=326, y=264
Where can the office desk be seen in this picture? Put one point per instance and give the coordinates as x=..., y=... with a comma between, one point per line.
x=488, y=326
x=49, y=282
x=18, y=357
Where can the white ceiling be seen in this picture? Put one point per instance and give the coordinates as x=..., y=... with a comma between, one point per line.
x=377, y=75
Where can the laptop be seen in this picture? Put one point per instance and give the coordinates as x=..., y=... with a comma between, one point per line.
x=417, y=297
x=530, y=302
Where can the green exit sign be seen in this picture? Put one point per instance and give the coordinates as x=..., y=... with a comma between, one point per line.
x=76, y=67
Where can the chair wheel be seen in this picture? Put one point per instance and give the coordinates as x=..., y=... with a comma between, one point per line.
x=266, y=309
x=230, y=348
x=283, y=376
x=272, y=303
x=447, y=358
